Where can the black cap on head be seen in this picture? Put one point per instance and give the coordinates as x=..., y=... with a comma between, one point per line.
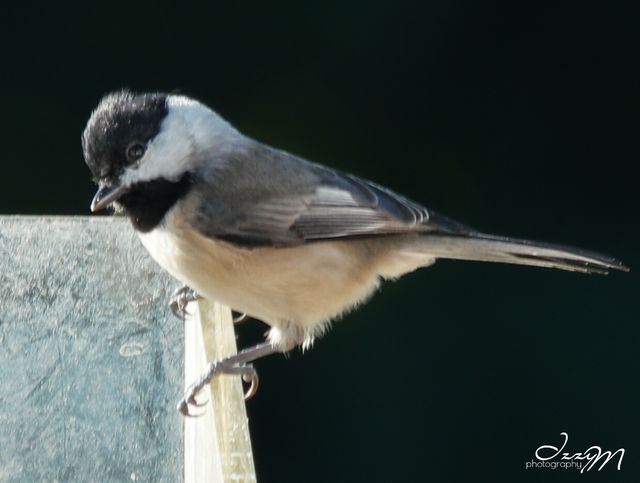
x=120, y=120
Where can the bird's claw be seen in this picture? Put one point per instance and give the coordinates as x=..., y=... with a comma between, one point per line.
x=247, y=371
x=179, y=300
x=189, y=401
x=238, y=319
x=251, y=376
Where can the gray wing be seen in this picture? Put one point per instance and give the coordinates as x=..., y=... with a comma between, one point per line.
x=263, y=197
x=286, y=201
x=344, y=205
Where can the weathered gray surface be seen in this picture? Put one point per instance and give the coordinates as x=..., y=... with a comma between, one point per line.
x=90, y=357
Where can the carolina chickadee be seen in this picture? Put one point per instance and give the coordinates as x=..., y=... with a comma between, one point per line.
x=291, y=243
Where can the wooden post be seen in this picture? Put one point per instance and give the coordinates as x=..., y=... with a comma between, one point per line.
x=90, y=362
x=217, y=445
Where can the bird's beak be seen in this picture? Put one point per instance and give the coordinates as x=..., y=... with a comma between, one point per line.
x=106, y=195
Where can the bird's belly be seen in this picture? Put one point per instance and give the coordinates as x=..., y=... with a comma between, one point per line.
x=304, y=286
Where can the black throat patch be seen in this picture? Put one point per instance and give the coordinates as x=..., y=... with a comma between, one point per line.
x=147, y=203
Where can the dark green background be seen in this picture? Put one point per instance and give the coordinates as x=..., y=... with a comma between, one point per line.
x=517, y=119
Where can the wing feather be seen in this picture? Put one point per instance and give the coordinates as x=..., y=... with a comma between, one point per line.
x=298, y=201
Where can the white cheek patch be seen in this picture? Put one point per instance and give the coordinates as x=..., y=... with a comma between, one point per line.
x=167, y=155
x=188, y=129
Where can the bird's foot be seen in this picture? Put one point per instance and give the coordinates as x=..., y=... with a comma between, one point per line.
x=179, y=300
x=247, y=371
x=238, y=364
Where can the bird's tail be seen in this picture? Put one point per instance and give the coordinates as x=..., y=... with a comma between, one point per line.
x=489, y=248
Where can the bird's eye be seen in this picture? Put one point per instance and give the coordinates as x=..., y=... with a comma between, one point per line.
x=135, y=152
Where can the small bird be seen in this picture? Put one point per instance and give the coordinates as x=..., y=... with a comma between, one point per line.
x=289, y=242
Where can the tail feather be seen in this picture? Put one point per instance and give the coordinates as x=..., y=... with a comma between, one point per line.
x=489, y=248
